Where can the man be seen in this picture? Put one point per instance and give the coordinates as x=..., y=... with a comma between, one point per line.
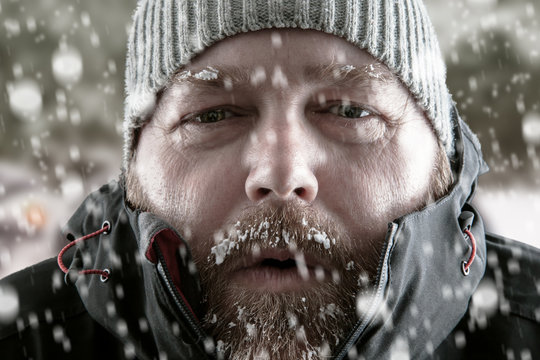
x=296, y=185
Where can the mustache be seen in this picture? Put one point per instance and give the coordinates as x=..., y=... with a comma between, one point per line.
x=285, y=233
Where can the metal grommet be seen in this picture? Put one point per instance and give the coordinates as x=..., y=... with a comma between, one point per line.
x=106, y=223
x=67, y=278
x=464, y=268
x=104, y=278
x=70, y=277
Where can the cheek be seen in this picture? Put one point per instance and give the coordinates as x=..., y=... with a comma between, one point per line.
x=208, y=191
x=160, y=170
x=188, y=187
x=359, y=190
x=417, y=148
x=371, y=186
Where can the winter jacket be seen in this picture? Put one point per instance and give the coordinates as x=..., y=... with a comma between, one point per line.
x=147, y=304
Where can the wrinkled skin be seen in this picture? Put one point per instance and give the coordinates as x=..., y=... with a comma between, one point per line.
x=284, y=118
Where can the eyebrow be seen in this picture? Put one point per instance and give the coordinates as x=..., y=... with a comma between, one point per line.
x=222, y=75
x=334, y=74
x=348, y=75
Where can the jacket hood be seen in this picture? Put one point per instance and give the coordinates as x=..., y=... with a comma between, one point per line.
x=151, y=299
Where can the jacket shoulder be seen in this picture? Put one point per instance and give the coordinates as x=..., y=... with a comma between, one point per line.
x=46, y=318
x=514, y=268
x=503, y=318
x=38, y=294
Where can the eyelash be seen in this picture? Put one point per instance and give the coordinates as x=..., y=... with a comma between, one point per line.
x=197, y=117
x=341, y=108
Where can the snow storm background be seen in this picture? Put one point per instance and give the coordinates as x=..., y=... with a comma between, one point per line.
x=61, y=103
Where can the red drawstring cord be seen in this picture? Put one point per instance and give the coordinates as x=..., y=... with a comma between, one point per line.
x=104, y=273
x=467, y=265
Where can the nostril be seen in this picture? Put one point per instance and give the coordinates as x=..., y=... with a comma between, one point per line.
x=264, y=191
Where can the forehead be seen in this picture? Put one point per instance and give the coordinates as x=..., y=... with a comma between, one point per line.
x=303, y=54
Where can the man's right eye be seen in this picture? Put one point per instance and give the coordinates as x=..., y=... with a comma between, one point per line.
x=212, y=116
x=349, y=111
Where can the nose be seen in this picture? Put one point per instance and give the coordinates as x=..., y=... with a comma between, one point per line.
x=282, y=161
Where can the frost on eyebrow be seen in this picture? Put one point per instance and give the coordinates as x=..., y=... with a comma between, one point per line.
x=210, y=78
x=370, y=71
x=209, y=73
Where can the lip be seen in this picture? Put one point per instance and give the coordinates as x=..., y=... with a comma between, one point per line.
x=259, y=272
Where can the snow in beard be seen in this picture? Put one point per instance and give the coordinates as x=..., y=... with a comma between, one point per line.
x=230, y=241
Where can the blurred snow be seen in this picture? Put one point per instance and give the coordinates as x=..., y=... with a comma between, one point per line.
x=9, y=304
x=12, y=27
x=25, y=99
x=67, y=65
x=485, y=299
x=531, y=128
x=400, y=350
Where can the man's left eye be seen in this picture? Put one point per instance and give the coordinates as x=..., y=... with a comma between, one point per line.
x=212, y=116
x=349, y=111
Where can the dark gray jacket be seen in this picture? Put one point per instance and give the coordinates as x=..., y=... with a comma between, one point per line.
x=148, y=308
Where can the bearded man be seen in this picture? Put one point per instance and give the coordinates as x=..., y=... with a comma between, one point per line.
x=296, y=185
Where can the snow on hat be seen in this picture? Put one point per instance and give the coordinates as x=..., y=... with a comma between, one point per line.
x=167, y=34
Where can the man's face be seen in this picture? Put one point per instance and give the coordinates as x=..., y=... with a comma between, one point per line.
x=281, y=156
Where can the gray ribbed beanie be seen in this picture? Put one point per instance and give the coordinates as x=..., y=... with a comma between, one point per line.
x=167, y=34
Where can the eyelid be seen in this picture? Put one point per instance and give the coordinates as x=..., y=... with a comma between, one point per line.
x=194, y=115
x=368, y=113
x=333, y=103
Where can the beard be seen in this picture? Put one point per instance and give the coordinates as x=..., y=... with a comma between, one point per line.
x=306, y=323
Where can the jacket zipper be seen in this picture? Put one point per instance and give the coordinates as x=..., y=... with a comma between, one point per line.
x=376, y=299
x=186, y=313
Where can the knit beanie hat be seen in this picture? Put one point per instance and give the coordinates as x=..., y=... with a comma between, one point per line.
x=167, y=34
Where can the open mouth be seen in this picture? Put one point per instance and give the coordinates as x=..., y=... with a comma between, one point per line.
x=277, y=271
x=274, y=263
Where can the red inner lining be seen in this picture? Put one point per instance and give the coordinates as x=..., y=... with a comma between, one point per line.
x=169, y=243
